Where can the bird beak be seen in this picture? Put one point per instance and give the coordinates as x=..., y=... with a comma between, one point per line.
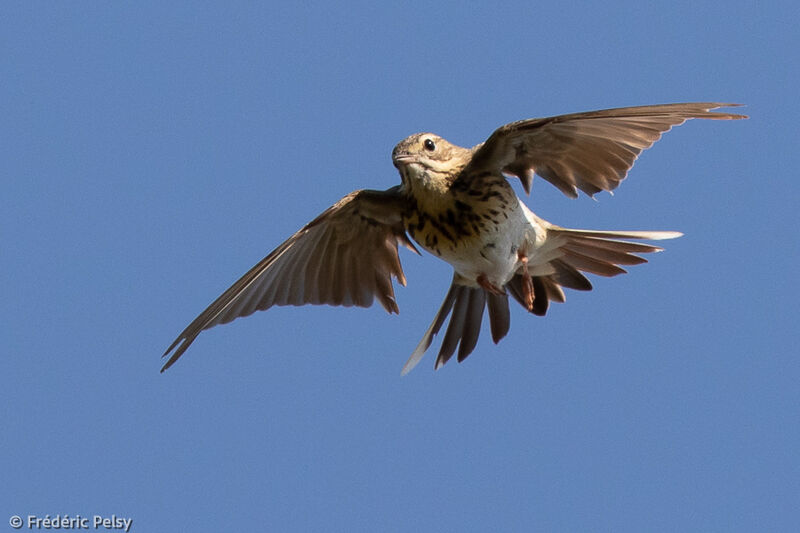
x=402, y=159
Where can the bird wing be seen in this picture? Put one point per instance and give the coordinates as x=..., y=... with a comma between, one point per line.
x=590, y=151
x=345, y=256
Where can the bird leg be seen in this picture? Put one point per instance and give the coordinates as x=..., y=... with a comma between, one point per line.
x=484, y=282
x=527, y=282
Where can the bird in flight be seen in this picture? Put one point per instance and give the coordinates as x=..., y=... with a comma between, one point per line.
x=458, y=204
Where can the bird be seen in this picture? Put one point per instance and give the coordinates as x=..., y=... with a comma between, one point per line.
x=458, y=204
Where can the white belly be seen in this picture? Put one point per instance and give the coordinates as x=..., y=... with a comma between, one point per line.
x=496, y=254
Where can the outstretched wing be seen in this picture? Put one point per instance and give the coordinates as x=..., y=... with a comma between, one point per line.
x=590, y=151
x=346, y=256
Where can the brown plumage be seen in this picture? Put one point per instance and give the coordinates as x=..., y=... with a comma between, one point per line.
x=456, y=203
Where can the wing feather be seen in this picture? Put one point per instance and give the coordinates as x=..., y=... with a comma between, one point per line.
x=346, y=256
x=591, y=151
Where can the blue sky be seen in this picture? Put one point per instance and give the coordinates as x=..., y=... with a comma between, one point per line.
x=152, y=152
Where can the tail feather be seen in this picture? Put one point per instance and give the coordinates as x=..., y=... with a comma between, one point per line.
x=554, y=291
x=540, y=300
x=544, y=290
x=466, y=305
x=432, y=330
x=601, y=252
x=617, y=245
x=578, y=251
x=476, y=301
x=570, y=277
x=499, y=315
x=600, y=234
x=597, y=250
x=455, y=328
x=558, y=262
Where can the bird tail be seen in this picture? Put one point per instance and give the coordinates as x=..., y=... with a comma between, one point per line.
x=560, y=262
x=569, y=253
x=467, y=305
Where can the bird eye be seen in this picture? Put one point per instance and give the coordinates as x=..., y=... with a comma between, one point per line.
x=429, y=145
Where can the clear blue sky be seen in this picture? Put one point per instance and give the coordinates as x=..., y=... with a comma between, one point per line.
x=152, y=152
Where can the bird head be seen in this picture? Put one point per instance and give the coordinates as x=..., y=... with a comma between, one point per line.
x=427, y=160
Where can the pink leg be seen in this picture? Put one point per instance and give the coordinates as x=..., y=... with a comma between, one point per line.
x=527, y=283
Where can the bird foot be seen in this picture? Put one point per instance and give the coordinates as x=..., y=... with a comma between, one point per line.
x=527, y=283
x=484, y=282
